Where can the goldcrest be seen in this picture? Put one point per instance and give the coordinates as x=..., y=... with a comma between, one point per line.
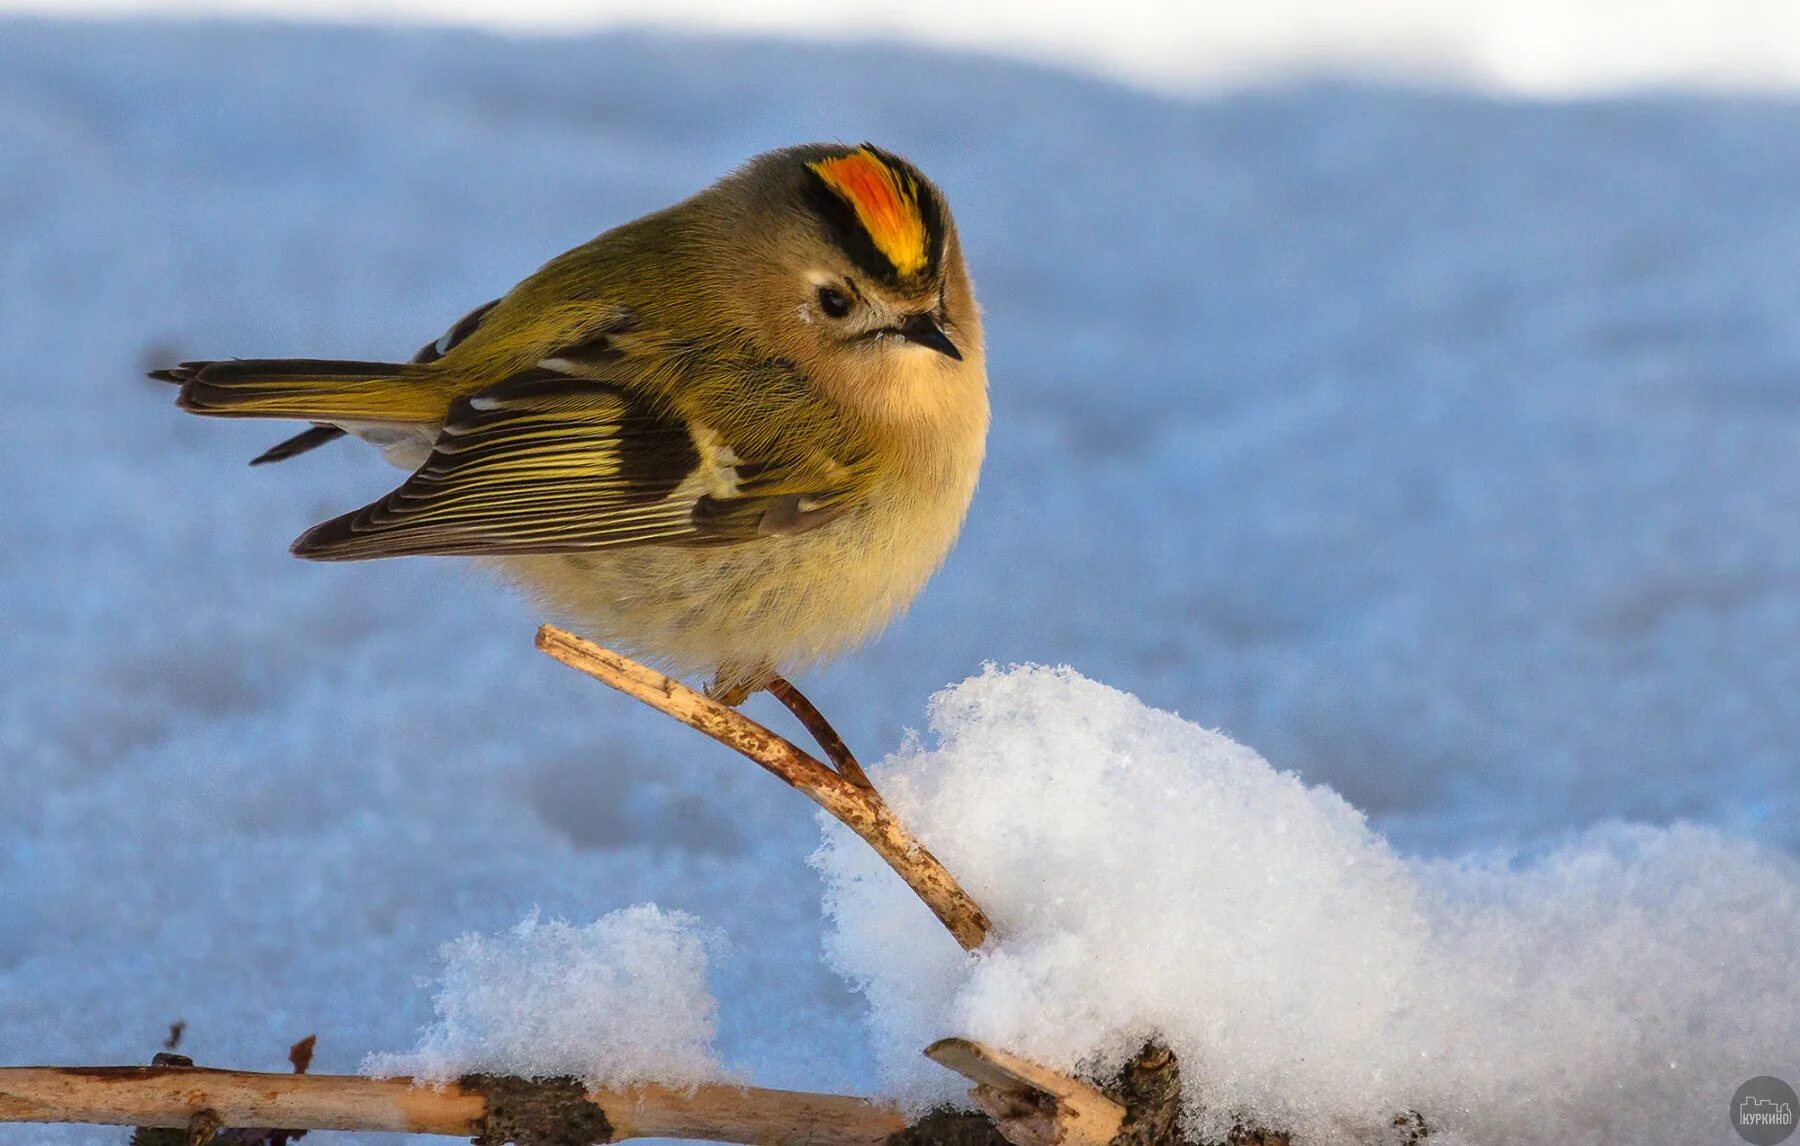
x=734, y=437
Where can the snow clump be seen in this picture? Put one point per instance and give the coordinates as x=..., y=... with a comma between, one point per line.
x=1151, y=879
x=623, y=999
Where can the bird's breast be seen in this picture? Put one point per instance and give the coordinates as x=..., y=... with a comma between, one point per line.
x=785, y=601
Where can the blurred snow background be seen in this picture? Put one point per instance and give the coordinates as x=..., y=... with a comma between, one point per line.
x=1441, y=447
x=1523, y=45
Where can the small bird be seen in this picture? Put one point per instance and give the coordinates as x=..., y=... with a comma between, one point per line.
x=734, y=437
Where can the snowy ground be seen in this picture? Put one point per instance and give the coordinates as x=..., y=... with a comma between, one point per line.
x=1442, y=449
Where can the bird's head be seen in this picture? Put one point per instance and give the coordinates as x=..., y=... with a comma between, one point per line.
x=857, y=276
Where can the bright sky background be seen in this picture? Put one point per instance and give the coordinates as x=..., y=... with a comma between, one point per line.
x=1538, y=46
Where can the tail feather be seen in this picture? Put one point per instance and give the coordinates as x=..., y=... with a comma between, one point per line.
x=178, y=374
x=312, y=389
x=305, y=440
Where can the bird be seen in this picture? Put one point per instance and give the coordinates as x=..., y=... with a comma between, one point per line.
x=734, y=437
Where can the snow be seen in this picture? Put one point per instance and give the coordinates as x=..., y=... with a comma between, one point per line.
x=1540, y=46
x=623, y=999
x=1441, y=448
x=1149, y=878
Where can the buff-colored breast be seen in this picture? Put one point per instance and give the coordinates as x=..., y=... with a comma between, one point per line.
x=781, y=603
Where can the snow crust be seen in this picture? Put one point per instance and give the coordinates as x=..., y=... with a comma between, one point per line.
x=1150, y=879
x=620, y=1000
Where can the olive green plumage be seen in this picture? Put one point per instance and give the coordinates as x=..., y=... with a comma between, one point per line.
x=734, y=435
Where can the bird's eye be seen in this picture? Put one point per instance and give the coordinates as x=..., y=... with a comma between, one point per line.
x=834, y=302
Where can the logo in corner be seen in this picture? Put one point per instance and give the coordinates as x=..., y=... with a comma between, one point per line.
x=1763, y=1111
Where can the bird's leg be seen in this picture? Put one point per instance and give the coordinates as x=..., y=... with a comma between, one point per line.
x=835, y=749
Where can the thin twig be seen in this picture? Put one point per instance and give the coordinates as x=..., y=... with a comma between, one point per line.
x=795, y=701
x=172, y=1096
x=860, y=809
x=1032, y=1105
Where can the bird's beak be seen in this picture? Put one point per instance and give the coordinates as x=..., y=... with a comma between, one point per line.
x=925, y=331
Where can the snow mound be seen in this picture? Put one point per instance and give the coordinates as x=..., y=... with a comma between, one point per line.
x=1150, y=878
x=623, y=999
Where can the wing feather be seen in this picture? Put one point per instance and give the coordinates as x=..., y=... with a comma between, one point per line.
x=549, y=463
x=541, y=463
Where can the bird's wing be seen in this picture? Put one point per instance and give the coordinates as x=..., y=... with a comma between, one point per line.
x=550, y=462
x=452, y=338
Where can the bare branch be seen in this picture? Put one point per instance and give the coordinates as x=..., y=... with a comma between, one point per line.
x=173, y=1096
x=1031, y=1104
x=859, y=808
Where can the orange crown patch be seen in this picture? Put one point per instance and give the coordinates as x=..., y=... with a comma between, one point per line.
x=885, y=202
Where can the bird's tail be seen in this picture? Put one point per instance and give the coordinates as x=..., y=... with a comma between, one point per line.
x=315, y=390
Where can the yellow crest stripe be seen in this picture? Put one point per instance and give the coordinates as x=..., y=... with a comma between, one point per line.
x=884, y=202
